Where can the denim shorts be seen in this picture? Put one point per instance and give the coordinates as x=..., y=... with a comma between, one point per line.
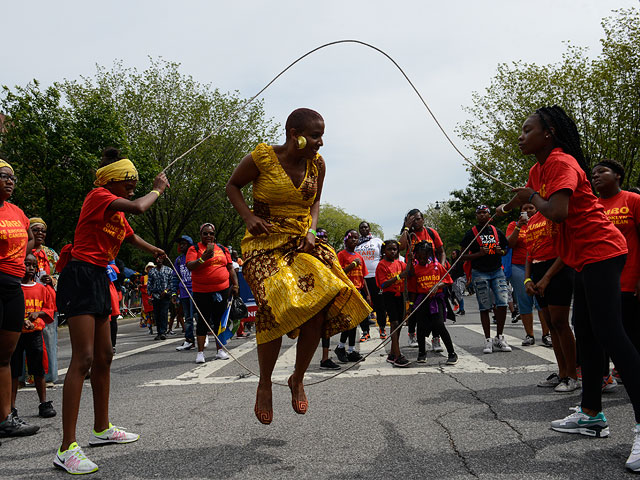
x=485, y=282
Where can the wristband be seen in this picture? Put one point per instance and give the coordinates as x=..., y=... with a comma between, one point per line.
x=157, y=192
x=311, y=230
x=200, y=260
x=532, y=195
x=405, y=229
x=516, y=227
x=527, y=280
x=354, y=263
x=398, y=277
x=503, y=210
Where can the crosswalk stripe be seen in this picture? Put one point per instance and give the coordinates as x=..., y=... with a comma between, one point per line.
x=544, y=353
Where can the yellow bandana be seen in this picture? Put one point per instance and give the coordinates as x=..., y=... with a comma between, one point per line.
x=5, y=164
x=34, y=220
x=116, y=172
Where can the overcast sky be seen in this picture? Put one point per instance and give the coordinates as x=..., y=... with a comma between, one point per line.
x=384, y=153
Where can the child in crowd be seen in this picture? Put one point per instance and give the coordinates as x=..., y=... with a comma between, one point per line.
x=390, y=275
x=430, y=306
x=353, y=265
x=39, y=307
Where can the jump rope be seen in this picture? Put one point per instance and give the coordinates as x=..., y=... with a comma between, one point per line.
x=243, y=106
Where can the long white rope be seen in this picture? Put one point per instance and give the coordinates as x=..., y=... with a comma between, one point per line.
x=244, y=105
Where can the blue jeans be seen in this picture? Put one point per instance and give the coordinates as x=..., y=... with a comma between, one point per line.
x=188, y=311
x=524, y=301
x=50, y=335
x=485, y=282
x=161, y=314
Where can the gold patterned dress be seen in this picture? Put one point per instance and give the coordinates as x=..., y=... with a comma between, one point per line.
x=291, y=287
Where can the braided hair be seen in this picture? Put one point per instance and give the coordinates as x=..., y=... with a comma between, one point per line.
x=614, y=166
x=564, y=134
x=426, y=247
x=386, y=243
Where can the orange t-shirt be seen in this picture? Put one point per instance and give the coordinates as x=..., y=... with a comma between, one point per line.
x=519, y=255
x=540, y=239
x=13, y=239
x=387, y=270
x=356, y=274
x=213, y=276
x=39, y=298
x=100, y=230
x=623, y=210
x=423, y=235
x=586, y=235
x=426, y=276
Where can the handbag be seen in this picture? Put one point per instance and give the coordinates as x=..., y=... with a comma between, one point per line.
x=238, y=309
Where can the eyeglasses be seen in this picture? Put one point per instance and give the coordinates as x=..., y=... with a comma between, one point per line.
x=38, y=230
x=5, y=176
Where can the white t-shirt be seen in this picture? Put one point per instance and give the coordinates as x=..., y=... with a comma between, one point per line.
x=371, y=251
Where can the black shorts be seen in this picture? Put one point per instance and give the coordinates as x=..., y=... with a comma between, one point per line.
x=83, y=289
x=560, y=289
x=211, y=309
x=32, y=344
x=11, y=303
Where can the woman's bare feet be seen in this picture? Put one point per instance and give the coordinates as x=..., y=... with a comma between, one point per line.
x=298, y=397
x=264, y=406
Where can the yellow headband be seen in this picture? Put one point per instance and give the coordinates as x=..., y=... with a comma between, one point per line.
x=116, y=172
x=5, y=164
x=34, y=220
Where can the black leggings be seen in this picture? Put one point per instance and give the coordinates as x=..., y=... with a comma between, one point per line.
x=211, y=310
x=364, y=325
x=598, y=324
x=349, y=334
x=431, y=322
x=378, y=302
x=631, y=317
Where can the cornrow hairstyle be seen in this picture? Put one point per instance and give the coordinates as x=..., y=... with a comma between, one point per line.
x=614, y=165
x=564, y=134
x=346, y=234
x=386, y=243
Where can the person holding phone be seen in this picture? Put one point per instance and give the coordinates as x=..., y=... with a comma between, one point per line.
x=212, y=273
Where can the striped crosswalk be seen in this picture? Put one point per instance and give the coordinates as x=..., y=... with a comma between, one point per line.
x=466, y=337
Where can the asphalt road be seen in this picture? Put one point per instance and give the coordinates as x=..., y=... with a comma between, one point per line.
x=483, y=418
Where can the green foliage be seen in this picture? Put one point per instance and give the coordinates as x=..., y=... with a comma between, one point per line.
x=336, y=222
x=602, y=95
x=53, y=149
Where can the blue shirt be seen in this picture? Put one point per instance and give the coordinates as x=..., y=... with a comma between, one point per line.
x=160, y=280
x=185, y=274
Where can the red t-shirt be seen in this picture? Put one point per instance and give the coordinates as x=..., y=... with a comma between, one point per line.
x=426, y=276
x=387, y=270
x=423, y=235
x=13, y=239
x=100, y=230
x=540, y=240
x=356, y=274
x=39, y=298
x=623, y=210
x=519, y=255
x=586, y=235
x=213, y=276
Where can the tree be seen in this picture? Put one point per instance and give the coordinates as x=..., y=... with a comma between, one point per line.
x=164, y=113
x=602, y=95
x=336, y=222
x=54, y=149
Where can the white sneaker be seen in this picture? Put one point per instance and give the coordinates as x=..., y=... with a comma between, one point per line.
x=222, y=355
x=200, y=357
x=633, y=462
x=185, y=346
x=436, y=345
x=74, y=461
x=567, y=385
x=206, y=341
x=112, y=434
x=488, y=345
x=500, y=344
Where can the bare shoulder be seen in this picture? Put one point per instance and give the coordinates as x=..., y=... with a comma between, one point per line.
x=319, y=161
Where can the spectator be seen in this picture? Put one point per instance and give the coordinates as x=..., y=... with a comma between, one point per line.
x=183, y=287
x=160, y=288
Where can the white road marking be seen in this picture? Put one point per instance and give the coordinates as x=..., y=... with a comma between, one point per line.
x=544, y=353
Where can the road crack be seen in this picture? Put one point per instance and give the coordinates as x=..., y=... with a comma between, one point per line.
x=452, y=442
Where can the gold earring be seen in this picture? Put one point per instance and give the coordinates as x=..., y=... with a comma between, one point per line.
x=302, y=142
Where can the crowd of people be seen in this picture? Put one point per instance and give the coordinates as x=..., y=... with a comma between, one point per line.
x=567, y=247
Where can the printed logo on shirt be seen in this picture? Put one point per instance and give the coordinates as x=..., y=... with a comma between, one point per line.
x=489, y=240
x=619, y=216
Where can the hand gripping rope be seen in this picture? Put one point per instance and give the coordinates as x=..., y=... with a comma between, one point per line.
x=244, y=105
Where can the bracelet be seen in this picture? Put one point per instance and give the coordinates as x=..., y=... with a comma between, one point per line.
x=527, y=280
x=311, y=230
x=157, y=192
x=532, y=195
x=354, y=263
x=503, y=210
x=405, y=229
x=398, y=277
x=516, y=227
x=200, y=260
